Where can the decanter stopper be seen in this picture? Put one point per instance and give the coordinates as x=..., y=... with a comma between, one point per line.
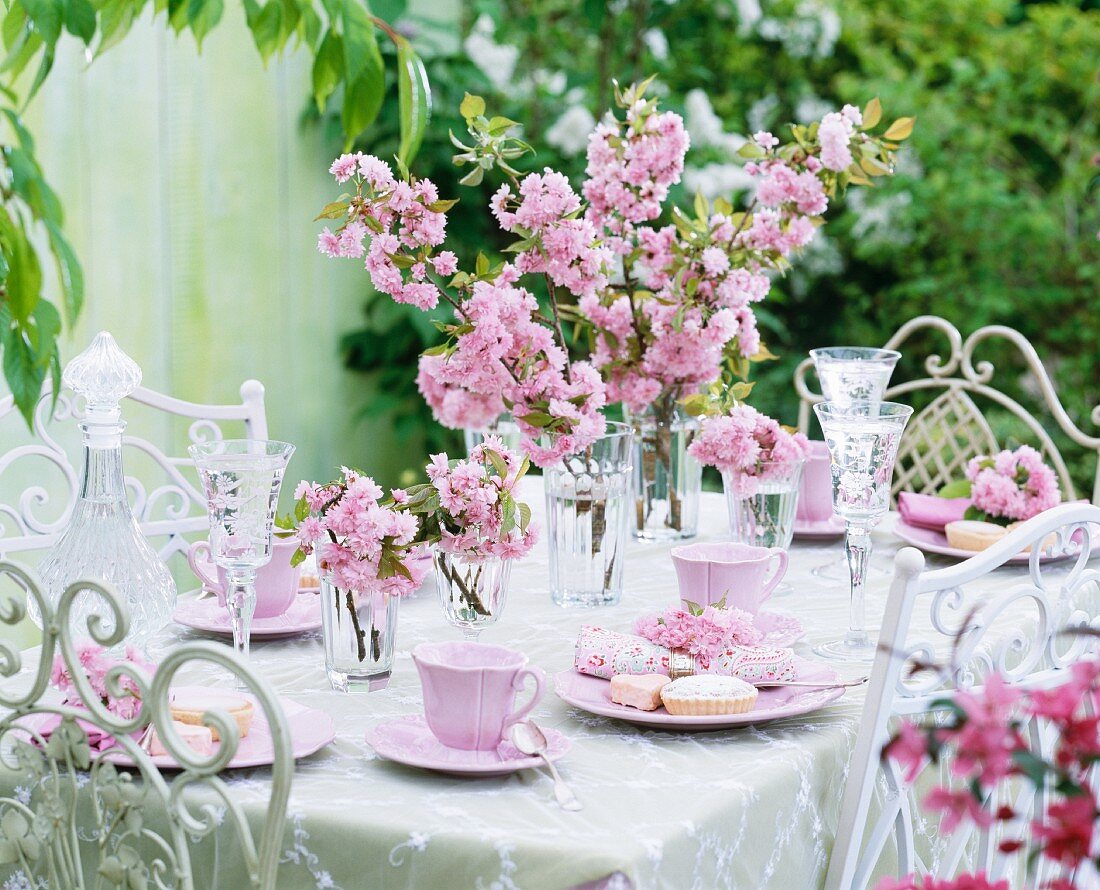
x=104, y=375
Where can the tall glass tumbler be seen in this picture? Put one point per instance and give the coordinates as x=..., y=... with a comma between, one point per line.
x=241, y=479
x=863, y=439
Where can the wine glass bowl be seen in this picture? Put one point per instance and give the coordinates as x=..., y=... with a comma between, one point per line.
x=854, y=373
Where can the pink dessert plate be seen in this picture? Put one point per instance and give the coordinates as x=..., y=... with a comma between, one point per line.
x=933, y=541
x=207, y=615
x=833, y=527
x=310, y=730
x=779, y=629
x=407, y=740
x=593, y=694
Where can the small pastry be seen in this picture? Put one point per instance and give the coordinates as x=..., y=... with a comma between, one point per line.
x=642, y=691
x=308, y=582
x=191, y=704
x=199, y=739
x=970, y=534
x=708, y=694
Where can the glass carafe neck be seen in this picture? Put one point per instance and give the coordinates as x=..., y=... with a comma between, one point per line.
x=102, y=478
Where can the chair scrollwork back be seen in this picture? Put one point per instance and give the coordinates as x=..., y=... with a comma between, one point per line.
x=950, y=430
x=79, y=816
x=169, y=508
x=1022, y=630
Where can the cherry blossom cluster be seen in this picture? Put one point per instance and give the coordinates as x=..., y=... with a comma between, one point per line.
x=1012, y=485
x=361, y=542
x=452, y=404
x=560, y=244
x=747, y=446
x=474, y=506
x=395, y=223
x=989, y=747
x=704, y=632
x=96, y=662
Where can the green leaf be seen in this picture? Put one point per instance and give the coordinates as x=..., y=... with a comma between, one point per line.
x=872, y=114
x=524, y=516
x=498, y=463
x=21, y=370
x=507, y=513
x=328, y=65
x=80, y=20
x=750, y=151
x=537, y=419
x=900, y=129
x=960, y=488
x=267, y=28
x=69, y=272
x=298, y=558
x=471, y=107
x=702, y=206
x=204, y=15
x=1031, y=766
x=115, y=19
x=14, y=23
x=414, y=97
x=364, y=73
x=333, y=210
x=47, y=17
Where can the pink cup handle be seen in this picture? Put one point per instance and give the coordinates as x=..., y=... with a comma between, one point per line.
x=202, y=569
x=519, y=716
x=777, y=576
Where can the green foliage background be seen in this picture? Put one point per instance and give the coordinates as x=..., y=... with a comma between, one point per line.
x=992, y=218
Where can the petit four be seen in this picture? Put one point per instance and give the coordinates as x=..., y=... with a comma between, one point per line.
x=970, y=534
x=642, y=691
x=199, y=739
x=190, y=705
x=707, y=694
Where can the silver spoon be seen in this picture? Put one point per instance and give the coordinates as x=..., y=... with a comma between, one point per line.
x=768, y=684
x=531, y=740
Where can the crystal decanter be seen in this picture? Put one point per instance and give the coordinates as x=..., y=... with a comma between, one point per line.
x=103, y=540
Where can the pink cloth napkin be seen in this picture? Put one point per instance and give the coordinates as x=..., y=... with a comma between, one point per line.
x=98, y=740
x=929, y=510
x=605, y=653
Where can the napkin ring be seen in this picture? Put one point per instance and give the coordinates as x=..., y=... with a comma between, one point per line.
x=680, y=664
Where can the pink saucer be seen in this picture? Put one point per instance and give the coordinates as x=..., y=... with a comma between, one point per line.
x=310, y=730
x=593, y=694
x=825, y=528
x=779, y=629
x=408, y=740
x=207, y=615
x=933, y=541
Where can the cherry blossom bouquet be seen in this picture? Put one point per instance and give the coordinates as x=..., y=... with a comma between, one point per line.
x=469, y=507
x=121, y=697
x=361, y=542
x=985, y=731
x=1008, y=487
x=705, y=632
x=747, y=447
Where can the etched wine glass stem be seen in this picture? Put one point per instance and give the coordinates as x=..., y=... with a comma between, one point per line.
x=857, y=544
x=240, y=599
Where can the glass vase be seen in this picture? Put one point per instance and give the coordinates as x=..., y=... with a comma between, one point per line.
x=587, y=512
x=359, y=629
x=504, y=427
x=762, y=507
x=667, y=480
x=472, y=591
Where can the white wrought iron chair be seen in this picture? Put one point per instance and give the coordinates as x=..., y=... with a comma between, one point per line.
x=951, y=429
x=167, y=511
x=1018, y=630
x=79, y=820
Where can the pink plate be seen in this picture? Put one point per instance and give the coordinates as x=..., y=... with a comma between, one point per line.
x=932, y=541
x=310, y=730
x=593, y=694
x=207, y=615
x=826, y=528
x=408, y=740
x=779, y=629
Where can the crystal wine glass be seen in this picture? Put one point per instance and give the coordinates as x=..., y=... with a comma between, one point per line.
x=472, y=591
x=849, y=374
x=863, y=439
x=241, y=479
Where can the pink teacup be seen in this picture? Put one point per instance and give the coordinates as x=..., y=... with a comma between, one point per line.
x=470, y=692
x=736, y=573
x=815, y=491
x=276, y=582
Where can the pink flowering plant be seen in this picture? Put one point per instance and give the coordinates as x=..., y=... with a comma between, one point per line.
x=747, y=447
x=705, y=632
x=986, y=735
x=666, y=307
x=1008, y=487
x=116, y=690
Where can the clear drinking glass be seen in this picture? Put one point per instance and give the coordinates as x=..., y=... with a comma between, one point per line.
x=504, y=426
x=359, y=628
x=472, y=591
x=762, y=507
x=854, y=373
x=587, y=511
x=241, y=479
x=667, y=479
x=863, y=439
